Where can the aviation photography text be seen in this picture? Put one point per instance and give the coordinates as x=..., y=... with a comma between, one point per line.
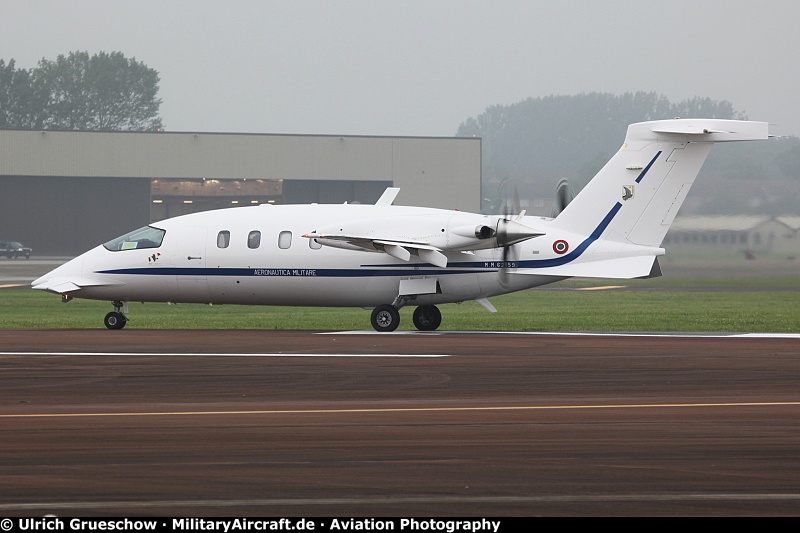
x=229, y=525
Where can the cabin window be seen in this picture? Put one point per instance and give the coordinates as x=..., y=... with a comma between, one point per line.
x=146, y=237
x=254, y=240
x=223, y=239
x=313, y=244
x=285, y=240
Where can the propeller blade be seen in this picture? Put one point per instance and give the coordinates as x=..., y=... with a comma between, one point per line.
x=564, y=195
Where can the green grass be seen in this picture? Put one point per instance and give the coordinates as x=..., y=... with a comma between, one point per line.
x=773, y=306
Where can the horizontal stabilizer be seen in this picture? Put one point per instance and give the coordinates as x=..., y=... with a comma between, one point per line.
x=688, y=130
x=717, y=130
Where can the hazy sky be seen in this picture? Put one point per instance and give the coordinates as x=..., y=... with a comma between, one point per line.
x=420, y=67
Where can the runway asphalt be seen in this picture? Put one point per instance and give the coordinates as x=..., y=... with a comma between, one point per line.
x=447, y=424
x=303, y=424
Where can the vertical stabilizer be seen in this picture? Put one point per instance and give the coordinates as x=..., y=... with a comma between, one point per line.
x=639, y=191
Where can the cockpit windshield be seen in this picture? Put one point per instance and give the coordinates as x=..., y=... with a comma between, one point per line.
x=146, y=237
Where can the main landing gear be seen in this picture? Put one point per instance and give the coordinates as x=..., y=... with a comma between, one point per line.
x=386, y=318
x=427, y=317
x=115, y=319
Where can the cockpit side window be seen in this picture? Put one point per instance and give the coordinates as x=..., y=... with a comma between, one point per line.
x=146, y=237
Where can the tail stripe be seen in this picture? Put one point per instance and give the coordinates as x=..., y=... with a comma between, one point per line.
x=639, y=179
x=577, y=252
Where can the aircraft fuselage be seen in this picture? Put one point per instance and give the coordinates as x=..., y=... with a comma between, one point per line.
x=213, y=257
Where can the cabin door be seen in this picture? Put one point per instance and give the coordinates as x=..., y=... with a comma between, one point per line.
x=190, y=262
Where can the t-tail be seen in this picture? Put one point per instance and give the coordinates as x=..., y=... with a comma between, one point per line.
x=623, y=214
x=639, y=191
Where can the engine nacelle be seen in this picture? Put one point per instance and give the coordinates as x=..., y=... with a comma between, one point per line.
x=484, y=232
x=503, y=233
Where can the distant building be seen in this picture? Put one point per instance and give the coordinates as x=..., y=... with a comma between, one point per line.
x=67, y=191
x=736, y=234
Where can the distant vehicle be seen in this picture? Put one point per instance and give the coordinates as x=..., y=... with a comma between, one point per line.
x=14, y=249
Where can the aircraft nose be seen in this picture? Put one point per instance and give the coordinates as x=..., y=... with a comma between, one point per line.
x=61, y=279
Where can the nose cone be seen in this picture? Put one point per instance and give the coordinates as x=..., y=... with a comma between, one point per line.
x=78, y=276
x=61, y=280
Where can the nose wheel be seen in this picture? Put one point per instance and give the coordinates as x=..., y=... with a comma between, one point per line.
x=116, y=319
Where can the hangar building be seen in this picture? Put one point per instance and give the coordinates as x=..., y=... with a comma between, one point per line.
x=64, y=192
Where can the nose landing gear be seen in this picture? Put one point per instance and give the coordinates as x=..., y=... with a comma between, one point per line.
x=116, y=319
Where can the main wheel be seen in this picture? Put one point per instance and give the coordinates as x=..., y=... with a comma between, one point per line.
x=115, y=320
x=427, y=317
x=385, y=318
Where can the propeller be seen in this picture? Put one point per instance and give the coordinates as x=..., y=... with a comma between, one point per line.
x=508, y=256
x=505, y=229
x=564, y=195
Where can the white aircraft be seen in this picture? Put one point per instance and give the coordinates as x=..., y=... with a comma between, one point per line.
x=385, y=256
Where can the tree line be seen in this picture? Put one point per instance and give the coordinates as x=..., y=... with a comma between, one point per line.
x=568, y=135
x=529, y=146
x=101, y=92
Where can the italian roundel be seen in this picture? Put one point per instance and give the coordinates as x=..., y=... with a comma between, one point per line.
x=560, y=247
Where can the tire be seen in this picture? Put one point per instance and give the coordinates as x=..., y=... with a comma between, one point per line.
x=115, y=320
x=385, y=318
x=427, y=317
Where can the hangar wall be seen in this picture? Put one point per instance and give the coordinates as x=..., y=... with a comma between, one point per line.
x=66, y=216
x=66, y=191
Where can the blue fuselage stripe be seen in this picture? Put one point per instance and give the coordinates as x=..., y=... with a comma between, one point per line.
x=393, y=270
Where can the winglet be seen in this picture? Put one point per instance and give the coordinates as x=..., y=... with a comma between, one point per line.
x=388, y=196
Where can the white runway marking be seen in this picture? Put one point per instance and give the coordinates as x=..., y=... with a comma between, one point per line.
x=607, y=287
x=677, y=334
x=384, y=410
x=405, y=500
x=152, y=354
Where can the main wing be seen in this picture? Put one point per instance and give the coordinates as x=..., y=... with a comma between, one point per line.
x=399, y=249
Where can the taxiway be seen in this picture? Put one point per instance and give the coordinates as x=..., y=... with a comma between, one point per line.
x=277, y=423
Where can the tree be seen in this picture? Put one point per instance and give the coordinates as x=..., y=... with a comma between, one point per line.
x=529, y=146
x=102, y=92
x=22, y=101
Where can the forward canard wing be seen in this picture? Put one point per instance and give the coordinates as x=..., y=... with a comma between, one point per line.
x=63, y=285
